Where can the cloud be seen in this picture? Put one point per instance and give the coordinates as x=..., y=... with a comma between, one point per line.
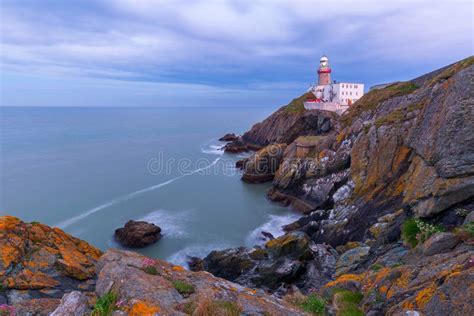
x=226, y=43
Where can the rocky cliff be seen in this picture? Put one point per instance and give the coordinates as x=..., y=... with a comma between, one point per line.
x=399, y=153
x=46, y=271
x=386, y=193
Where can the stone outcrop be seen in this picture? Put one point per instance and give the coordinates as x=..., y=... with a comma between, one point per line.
x=262, y=165
x=290, y=259
x=439, y=284
x=392, y=152
x=290, y=122
x=38, y=264
x=388, y=158
x=138, y=234
x=172, y=290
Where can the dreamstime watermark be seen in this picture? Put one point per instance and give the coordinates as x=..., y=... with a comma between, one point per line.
x=264, y=164
x=160, y=165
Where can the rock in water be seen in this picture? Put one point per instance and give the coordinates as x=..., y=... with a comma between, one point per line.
x=230, y=137
x=138, y=234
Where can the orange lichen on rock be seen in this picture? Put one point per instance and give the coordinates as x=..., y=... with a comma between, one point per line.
x=345, y=278
x=425, y=295
x=141, y=308
x=30, y=280
x=178, y=268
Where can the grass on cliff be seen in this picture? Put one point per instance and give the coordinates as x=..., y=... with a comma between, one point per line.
x=373, y=98
x=296, y=105
x=311, y=304
x=449, y=72
x=347, y=302
x=105, y=304
x=415, y=231
x=206, y=306
x=465, y=232
x=183, y=288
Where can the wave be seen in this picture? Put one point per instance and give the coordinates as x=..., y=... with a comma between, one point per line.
x=274, y=226
x=213, y=147
x=72, y=220
x=172, y=223
x=181, y=257
x=213, y=150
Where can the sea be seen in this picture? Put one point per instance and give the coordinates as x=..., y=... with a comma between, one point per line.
x=88, y=170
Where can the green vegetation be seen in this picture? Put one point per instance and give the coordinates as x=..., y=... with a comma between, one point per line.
x=449, y=72
x=373, y=98
x=347, y=302
x=314, y=304
x=230, y=308
x=206, y=306
x=466, y=232
x=350, y=310
x=105, y=304
x=376, y=267
x=397, y=115
x=415, y=231
x=150, y=270
x=409, y=232
x=296, y=105
x=462, y=212
x=183, y=288
x=34, y=223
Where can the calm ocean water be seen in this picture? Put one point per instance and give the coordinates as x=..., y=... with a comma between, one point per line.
x=89, y=170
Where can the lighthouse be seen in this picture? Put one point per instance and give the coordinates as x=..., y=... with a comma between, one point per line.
x=324, y=72
x=331, y=96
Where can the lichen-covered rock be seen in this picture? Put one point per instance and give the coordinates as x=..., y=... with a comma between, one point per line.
x=349, y=260
x=262, y=165
x=72, y=304
x=290, y=259
x=440, y=284
x=141, y=293
x=38, y=264
x=440, y=242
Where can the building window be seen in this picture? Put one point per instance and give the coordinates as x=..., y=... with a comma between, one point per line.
x=356, y=93
x=350, y=92
x=355, y=86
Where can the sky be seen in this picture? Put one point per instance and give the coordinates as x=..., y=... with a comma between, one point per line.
x=217, y=53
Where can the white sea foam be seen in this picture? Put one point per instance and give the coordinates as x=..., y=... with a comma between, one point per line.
x=213, y=149
x=273, y=225
x=172, y=223
x=181, y=257
x=126, y=197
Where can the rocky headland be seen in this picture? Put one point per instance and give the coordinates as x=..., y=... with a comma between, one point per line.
x=386, y=195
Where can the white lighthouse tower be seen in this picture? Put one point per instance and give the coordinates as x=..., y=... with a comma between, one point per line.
x=336, y=96
x=324, y=71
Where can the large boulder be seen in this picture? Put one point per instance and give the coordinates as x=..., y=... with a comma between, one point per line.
x=138, y=234
x=440, y=242
x=72, y=304
x=38, y=264
x=173, y=290
x=291, y=259
x=263, y=164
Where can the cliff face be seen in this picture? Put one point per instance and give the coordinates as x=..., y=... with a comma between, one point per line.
x=400, y=152
x=408, y=146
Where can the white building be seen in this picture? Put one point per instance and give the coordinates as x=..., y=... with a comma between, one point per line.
x=335, y=96
x=347, y=93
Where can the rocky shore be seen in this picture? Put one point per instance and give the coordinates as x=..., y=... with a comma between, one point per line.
x=386, y=193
